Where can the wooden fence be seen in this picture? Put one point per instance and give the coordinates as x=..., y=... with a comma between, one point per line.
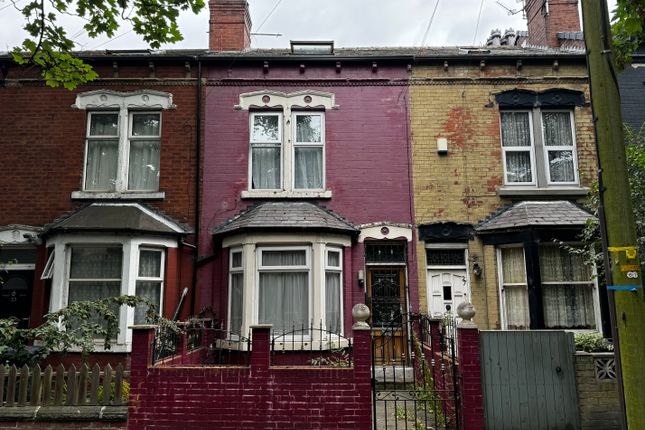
x=59, y=387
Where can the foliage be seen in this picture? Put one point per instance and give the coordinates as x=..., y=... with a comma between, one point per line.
x=336, y=357
x=49, y=47
x=75, y=327
x=627, y=29
x=592, y=342
x=591, y=250
x=125, y=392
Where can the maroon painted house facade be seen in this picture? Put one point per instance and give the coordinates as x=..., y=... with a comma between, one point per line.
x=98, y=187
x=301, y=150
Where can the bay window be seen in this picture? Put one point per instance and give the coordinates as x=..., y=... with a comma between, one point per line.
x=567, y=289
x=283, y=288
x=293, y=287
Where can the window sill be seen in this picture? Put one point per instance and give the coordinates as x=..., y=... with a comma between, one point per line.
x=131, y=195
x=286, y=194
x=573, y=191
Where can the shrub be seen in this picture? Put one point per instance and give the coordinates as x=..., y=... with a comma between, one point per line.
x=592, y=342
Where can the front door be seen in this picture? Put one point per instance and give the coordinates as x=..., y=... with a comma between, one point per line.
x=448, y=288
x=15, y=295
x=386, y=299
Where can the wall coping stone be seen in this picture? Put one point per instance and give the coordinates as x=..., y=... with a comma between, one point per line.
x=64, y=413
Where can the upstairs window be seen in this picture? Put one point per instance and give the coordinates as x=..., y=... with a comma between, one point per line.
x=118, y=163
x=286, y=143
x=123, y=140
x=539, y=147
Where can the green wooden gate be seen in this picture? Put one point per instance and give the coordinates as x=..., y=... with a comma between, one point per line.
x=528, y=380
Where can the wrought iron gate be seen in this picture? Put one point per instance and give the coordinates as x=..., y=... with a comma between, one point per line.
x=414, y=378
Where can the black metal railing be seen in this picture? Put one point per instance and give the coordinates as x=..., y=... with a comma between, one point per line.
x=311, y=345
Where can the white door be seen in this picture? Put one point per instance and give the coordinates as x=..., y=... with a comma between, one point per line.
x=448, y=288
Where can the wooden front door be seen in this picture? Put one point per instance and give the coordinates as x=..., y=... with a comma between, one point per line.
x=387, y=301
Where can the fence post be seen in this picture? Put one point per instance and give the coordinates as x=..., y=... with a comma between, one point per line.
x=469, y=370
x=260, y=346
x=140, y=360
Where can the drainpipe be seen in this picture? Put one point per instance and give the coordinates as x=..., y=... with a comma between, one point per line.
x=198, y=180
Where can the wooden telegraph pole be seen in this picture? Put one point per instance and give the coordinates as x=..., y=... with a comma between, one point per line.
x=624, y=278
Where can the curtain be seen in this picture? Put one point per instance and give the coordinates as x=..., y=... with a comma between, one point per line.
x=150, y=264
x=557, y=129
x=284, y=258
x=308, y=128
x=558, y=133
x=265, y=168
x=102, y=154
x=332, y=301
x=515, y=296
x=308, y=168
x=150, y=290
x=143, y=171
x=95, y=263
x=516, y=129
x=516, y=132
x=102, y=159
x=566, y=305
x=237, y=303
x=561, y=168
x=284, y=300
x=517, y=307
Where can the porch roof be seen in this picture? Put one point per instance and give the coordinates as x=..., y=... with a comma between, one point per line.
x=535, y=214
x=285, y=216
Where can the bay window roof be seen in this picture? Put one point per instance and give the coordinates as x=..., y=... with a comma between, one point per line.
x=117, y=217
x=282, y=216
x=535, y=214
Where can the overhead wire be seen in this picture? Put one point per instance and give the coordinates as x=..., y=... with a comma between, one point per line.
x=425, y=34
x=479, y=16
x=268, y=16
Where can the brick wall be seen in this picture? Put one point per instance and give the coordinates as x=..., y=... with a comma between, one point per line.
x=597, y=398
x=259, y=396
x=43, y=140
x=461, y=187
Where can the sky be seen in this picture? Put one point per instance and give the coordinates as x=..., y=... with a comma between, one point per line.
x=349, y=23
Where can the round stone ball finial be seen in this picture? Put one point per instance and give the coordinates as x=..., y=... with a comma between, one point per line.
x=361, y=313
x=466, y=312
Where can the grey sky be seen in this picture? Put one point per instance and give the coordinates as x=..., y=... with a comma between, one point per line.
x=347, y=22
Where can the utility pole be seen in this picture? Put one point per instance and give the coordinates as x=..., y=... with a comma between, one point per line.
x=622, y=265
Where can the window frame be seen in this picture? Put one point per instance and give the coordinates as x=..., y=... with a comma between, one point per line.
x=295, y=144
x=547, y=149
x=161, y=278
x=259, y=268
x=234, y=270
x=530, y=149
x=539, y=152
x=130, y=245
x=269, y=144
x=335, y=270
x=128, y=146
x=502, y=284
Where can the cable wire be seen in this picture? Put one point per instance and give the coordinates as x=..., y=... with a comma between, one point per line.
x=425, y=35
x=479, y=16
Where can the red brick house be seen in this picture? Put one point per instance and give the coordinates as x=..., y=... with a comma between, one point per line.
x=99, y=186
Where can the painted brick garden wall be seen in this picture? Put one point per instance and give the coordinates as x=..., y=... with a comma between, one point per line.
x=258, y=396
x=458, y=104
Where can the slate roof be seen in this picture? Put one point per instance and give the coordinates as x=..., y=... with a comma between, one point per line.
x=121, y=217
x=535, y=214
x=285, y=216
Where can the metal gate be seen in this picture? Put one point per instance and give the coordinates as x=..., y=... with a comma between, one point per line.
x=414, y=378
x=528, y=380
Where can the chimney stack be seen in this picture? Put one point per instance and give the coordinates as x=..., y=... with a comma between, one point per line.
x=229, y=25
x=546, y=18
